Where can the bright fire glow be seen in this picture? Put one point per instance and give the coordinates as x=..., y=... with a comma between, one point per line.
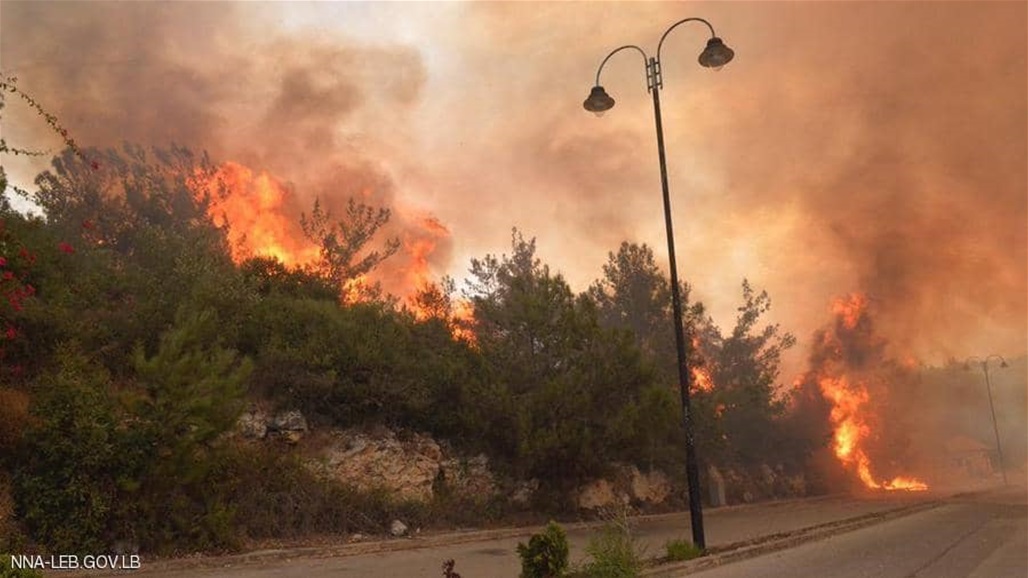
x=262, y=219
x=255, y=208
x=460, y=324
x=701, y=380
x=850, y=415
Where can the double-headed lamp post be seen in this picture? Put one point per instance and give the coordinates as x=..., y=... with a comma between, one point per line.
x=715, y=55
x=988, y=388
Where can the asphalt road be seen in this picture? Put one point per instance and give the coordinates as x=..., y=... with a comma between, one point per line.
x=496, y=558
x=983, y=536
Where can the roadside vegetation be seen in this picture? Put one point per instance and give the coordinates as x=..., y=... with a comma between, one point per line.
x=131, y=341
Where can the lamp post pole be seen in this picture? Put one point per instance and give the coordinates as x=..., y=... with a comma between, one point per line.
x=715, y=55
x=992, y=408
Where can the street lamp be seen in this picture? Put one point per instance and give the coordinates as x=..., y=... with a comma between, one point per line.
x=715, y=55
x=988, y=388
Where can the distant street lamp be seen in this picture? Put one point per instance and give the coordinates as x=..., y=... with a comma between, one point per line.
x=715, y=55
x=988, y=388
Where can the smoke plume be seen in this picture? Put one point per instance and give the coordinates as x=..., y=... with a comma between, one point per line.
x=869, y=147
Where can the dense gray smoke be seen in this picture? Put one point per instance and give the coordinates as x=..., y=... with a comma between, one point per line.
x=199, y=75
x=876, y=148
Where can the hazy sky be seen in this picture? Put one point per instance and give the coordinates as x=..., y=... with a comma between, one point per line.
x=877, y=147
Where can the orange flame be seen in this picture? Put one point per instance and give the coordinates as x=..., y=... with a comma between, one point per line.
x=419, y=246
x=849, y=415
x=254, y=208
x=460, y=324
x=850, y=309
x=262, y=219
x=701, y=378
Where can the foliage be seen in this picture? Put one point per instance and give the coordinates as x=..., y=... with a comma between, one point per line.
x=613, y=552
x=546, y=555
x=129, y=340
x=190, y=393
x=9, y=85
x=7, y=569
x=342, y=243
x=681, y=550
x=634, y=294
x=567, y=389
x=739, y=421
x=144, y=247
x=745, y=366
x=67, y=474
x=269, y=277
x=96, y=467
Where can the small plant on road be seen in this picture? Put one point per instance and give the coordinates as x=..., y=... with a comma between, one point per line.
x=613, y=551
x=681, y=549
x=546, y=555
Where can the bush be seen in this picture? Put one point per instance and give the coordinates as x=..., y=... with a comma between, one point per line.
x=65, y=482
x=613, y=551
x=679, y=550
x=546, y=555
x=7, y=570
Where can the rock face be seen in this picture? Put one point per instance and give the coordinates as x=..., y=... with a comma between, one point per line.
x=407, y=469
x=255, y=424
x=628, y=486
x=599, y=494
x=652, y=488
x=289, y=425
x=469, y=477
x=411, y=468
x=523, y=492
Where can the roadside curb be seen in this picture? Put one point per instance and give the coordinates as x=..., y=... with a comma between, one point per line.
x=735, y=552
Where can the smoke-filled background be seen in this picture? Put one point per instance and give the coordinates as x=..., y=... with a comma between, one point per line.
x=850, y=147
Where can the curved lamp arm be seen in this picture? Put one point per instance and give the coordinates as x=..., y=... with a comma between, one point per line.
x=615, y=51
x=985, y=361
x=1002, y=362
x=676, y=24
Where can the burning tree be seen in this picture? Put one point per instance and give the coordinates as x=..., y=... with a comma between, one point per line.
x=851, y=376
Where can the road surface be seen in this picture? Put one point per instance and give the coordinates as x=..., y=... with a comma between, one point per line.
x=982, y=536
x=496, y=557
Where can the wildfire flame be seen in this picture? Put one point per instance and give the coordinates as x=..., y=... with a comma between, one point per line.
x=460, y=323
x=262, y=219
x=701, y=378
x=850, y=416
x=420, y=248
x=257, y=211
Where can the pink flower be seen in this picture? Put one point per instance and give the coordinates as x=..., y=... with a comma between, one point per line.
x=65, y=247
x=11, y=333
x=3, y=262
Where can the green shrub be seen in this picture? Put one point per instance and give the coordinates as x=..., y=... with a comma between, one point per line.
x=679, y=550
x=65, y=483
x=546, y=555
x=613, y=551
